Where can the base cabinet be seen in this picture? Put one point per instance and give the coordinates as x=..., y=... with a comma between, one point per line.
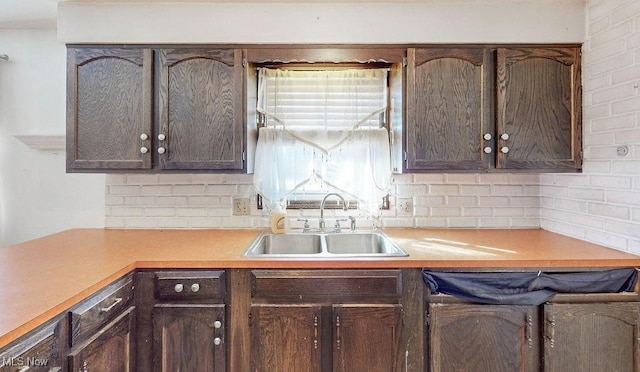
x=469, y=337
x=326, y=320
x=189, y=337
x=112, y=349
x=592, y=337
x=366, y=337
x=42, y=350
x=286, y=337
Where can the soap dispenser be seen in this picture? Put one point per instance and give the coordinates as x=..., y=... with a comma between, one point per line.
x=278, y=219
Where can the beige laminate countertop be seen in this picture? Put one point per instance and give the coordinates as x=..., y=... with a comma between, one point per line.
x=44, y=277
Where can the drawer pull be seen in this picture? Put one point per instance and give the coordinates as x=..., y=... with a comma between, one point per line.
x=195, y=287
x=178, y=288
x=107, y=309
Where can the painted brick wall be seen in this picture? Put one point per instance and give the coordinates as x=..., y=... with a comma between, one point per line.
x=602, y=204
x=417, y=200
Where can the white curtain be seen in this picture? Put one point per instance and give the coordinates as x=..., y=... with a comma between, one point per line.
x=329, y=135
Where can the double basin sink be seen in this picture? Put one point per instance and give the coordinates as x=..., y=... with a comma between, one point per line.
x=324, y=245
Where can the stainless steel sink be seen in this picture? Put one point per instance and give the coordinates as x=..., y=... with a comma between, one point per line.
x=324, y=245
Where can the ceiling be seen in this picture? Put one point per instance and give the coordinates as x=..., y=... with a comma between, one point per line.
x=41, y=14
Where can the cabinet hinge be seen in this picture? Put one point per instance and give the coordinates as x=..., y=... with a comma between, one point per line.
x=244, y=62
x=405, y=156
x=244, y=157
x=426, y=319
x=405, y=62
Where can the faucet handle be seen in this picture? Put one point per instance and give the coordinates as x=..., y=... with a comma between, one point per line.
x=305, y=228
x=337, y=227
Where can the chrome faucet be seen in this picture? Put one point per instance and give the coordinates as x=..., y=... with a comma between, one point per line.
x=321, y=223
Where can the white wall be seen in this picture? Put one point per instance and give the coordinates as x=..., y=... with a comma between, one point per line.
x=602, y=204
x=36, y=196
x=434, y=21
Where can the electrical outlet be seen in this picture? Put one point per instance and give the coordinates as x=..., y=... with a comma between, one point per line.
x=241, y=206
x=405, y=207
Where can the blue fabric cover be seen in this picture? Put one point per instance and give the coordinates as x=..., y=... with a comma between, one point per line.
x=526, y=288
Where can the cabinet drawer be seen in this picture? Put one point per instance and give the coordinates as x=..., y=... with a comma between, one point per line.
x=100, y=308
x=342, y=285
x=40, y=350
x=188, y=285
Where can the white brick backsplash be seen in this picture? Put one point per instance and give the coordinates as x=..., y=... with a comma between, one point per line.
x=601, y=210
x=609, y=210
x=611, y=34
x=610, y=182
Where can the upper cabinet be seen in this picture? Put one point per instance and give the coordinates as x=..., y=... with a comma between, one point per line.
x=448, y=109
x=109, y=108
x=480, y=109
x=188, y=115
x=539, y=104
x=200, y=109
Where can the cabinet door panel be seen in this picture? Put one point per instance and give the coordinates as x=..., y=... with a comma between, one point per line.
x=539, y=100
x=112, y=349
x=109, y=104
x=467, y=337
x=185, y=336
x=592, y=337
x=366, y=338
x=448, y=109
x=285, y=337
x=201, y=109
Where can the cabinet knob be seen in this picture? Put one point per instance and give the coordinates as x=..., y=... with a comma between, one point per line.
x=504, y=136
x=487, y=136
x=504, y=149
x=161, y=150
x=487, y=150
x=217, y=341
x=217, y=324
x=144, y=137
x=144, y=150
x=178, y=288
x=161, y=137
x=195, y=287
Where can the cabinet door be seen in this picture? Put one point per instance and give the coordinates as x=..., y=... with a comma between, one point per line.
x=112, y=349
x=448, y=109
x=539, y=108
x=43, y=349
x=366, y=337
x=109, y=109
x=592, y=337
x=285, y=337
x=468, y=337
x=200, y=109
x=189, y=337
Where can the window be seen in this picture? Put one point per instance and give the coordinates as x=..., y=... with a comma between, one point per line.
x=323, y=131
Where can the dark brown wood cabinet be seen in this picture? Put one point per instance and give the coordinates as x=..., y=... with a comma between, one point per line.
x=326, y=320
x=366, y=337
x=200, y=109
x=189, y=337
x=112, y=349
x=592, y=337
x=539, y=105
x=472, y=337
x=286, y=337
x=109, y=108
x=482, y=109
x=182, y=320
x=199, y=106
x=102, y=329
x=44, y=349
x=448, y=109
